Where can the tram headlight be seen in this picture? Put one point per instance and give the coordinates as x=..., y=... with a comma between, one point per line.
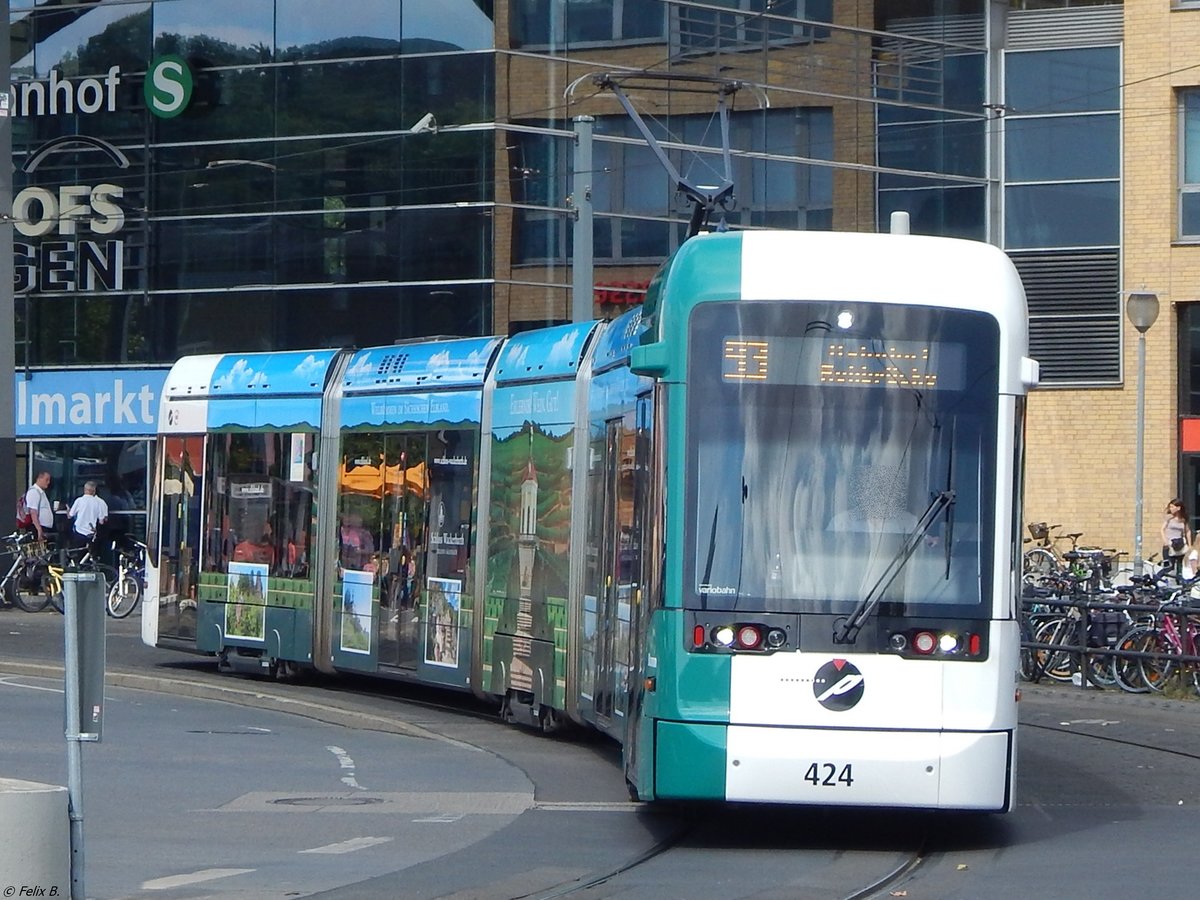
x=948, y=643
x=898, y=642
x=776, y=638
x=725, y=636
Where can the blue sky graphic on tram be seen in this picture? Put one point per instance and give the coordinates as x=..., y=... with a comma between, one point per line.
x=439, y=363
x=296, y=372
x=551, y=406
x=447, y=408
x=546, y=353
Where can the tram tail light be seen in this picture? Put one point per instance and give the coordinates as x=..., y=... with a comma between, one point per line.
x=739, y=636
x=749, y=637
x=941, y=643
x=924, y=642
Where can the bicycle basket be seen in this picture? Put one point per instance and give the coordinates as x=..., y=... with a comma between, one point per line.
x=31, y=549
x=1039, y=531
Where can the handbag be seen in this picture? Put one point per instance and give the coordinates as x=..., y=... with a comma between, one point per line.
x=1178, y=546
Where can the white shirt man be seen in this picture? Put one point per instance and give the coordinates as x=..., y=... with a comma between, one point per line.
x=39, y=506
x=87, y=512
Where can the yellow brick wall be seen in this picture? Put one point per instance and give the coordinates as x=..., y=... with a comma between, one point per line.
x=530, y=87
x=1081, y=444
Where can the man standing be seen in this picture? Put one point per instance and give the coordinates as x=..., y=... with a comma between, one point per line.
x=40, y=510
x=87, y=513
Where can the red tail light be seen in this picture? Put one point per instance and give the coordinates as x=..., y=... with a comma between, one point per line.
x=749, y=637
x=698, y=636
x=924, y=642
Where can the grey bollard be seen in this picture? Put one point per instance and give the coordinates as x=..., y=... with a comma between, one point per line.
x=35, y=843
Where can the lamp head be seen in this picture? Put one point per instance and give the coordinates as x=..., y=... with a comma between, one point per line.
x=1142, y=309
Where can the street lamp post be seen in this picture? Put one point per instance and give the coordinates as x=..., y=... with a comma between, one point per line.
x=1142, y=310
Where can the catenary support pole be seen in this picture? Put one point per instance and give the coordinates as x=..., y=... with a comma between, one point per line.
x=582, y=277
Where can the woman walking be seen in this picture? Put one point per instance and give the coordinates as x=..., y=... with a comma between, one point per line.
x=1176, y=535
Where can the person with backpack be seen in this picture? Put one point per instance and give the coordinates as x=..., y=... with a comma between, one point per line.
x=38, y=512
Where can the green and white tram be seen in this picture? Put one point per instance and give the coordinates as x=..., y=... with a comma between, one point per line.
x=762, y=531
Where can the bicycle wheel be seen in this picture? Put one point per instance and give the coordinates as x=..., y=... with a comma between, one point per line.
x=10, y=591
x=1037, y=565
x=1058, y=664
x=52, y=590
x=31, y=600
x=1128, y=671
x=1031, y=669
x=108, y=574
x=1157, y=672
x=123, y=596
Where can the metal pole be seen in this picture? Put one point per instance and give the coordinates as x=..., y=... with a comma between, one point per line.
x=582, y=287
x=1137, y=463
x=9, y=478
x=74, y=749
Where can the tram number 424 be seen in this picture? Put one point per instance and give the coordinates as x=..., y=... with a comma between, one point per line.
x=829, y=775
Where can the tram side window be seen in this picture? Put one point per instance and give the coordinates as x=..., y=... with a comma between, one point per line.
x=452, y=458
x=180, y=492
x=261, y=502
x=360, y=497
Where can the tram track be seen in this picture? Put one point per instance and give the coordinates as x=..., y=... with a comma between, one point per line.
x=1110, y=739
x=678, y=839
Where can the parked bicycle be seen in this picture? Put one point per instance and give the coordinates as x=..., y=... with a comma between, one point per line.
x=31, y=582
x=1043, y=562
x=130, y=581
x=87, y=559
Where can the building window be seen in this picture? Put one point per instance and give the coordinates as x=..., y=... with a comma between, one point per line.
x=545, y=23
x=750, y=24
x=119, y=468
x=1062, y=211
x=1189, y=164
x=637, y=219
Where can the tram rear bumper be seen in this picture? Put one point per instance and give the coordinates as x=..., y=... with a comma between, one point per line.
x=835, y=767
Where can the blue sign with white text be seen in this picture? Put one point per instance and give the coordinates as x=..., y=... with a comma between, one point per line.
x=88, y=402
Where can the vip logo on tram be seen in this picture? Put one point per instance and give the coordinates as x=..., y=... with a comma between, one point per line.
x=838, y=685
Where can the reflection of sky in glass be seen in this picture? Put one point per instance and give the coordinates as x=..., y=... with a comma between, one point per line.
x=242, y=23
x=302, y=23
x=247, y=23
x=457, y=22
x=54, y=47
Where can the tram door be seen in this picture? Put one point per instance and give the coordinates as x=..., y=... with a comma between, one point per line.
x=180, y=495
x=619, y=568
x=403, y=542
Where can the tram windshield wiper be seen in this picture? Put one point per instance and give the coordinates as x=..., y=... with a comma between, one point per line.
x=846, y=630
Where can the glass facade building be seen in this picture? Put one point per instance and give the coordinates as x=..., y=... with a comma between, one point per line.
x=211, y=176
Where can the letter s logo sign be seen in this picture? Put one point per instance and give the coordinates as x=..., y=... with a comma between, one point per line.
x=168, y=86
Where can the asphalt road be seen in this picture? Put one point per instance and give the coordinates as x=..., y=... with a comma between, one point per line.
x=210, y=785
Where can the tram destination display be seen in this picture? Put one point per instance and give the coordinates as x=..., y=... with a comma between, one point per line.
x=843, y=362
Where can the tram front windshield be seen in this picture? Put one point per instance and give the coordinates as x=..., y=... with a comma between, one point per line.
x=839, y=451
